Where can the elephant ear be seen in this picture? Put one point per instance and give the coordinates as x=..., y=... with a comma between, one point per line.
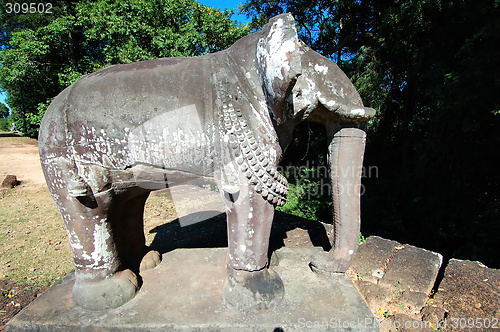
x=279, y=65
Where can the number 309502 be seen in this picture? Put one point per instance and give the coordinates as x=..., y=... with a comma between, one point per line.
x=25, y=8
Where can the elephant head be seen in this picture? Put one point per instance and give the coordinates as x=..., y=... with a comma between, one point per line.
x=297, y=84
x=322, y=93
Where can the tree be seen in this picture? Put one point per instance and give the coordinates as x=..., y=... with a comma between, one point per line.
x=437, y=124
x=4, y=111
x=42, y=55
x=431, y=69
x=4, y=114
x=138, y=30
x=335, y=29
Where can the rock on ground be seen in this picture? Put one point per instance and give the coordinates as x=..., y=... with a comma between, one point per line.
x=10, y=181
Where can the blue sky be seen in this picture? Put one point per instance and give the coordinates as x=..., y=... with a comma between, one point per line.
x=2, y=98
x=222, y=4
x=227, y=4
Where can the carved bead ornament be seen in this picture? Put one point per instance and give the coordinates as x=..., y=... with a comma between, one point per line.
x=266, y=180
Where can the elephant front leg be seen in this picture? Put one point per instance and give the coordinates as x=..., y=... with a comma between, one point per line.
x=346, y=161
x=251, y=284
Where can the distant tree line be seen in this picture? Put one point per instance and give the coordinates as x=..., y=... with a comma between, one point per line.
x=42, y=53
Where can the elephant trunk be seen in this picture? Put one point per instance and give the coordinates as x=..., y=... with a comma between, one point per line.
x=345, y=152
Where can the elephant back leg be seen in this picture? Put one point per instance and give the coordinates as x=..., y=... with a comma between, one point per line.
x=100, y=278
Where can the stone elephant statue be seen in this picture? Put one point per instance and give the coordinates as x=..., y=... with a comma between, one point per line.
x=115, y=135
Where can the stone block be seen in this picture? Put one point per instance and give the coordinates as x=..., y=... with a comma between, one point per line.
x=371, y=258
x=184, y=293
x=433, y=315
x=407, y=303
x=10, y=181
x=412, y=268
x=401, y=322
x=469, y=289
x=375, y=296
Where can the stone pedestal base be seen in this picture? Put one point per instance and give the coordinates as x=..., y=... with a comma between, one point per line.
x=184, y=293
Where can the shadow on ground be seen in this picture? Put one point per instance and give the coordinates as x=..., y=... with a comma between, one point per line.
x=212, y=233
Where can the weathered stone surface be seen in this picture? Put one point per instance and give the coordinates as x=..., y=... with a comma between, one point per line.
x=375, y=296
x=413, y=301
x=433, y=314
x=407, y=303
x=371, y=257
x=469, y=290
x=184, y=293
x=412, y=268
x=394, y=278
x=10, y=181
x=401, y=322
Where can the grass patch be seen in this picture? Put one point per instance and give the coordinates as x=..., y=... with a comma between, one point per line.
x=34, y=249
x=11, y=138
x=159, y=210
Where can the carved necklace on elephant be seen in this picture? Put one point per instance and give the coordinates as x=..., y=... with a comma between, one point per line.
x=247, y=152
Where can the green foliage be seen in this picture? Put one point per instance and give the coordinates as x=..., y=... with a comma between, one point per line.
x=335, y=29
x=361, y=238
x=35, y=119
x=68, y=76
x=303, y=201
x=4, y=124
x=133, y=30
x=41, y=54
x=431, y=69
x=4, y=111
x=304, y=166
x=436, y=127
x=4, y=117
